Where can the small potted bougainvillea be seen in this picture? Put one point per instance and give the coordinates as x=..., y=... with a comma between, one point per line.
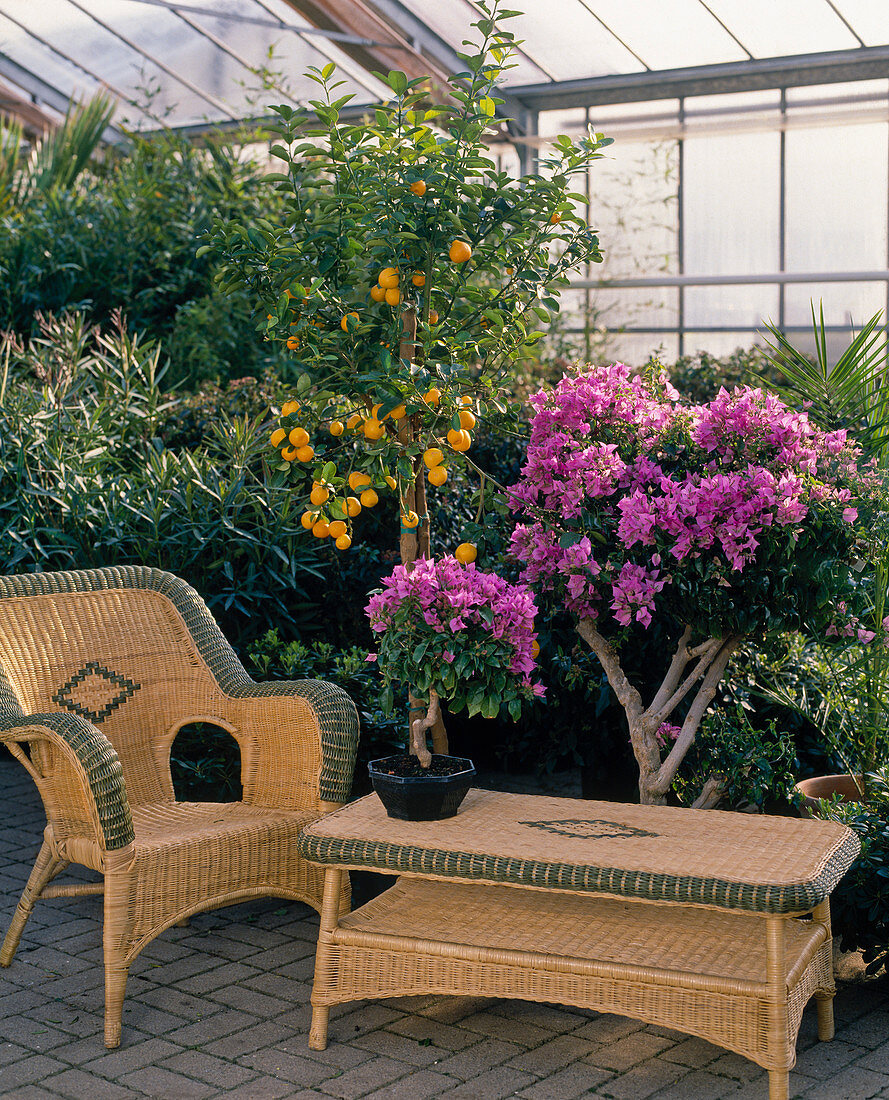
x=448, y=631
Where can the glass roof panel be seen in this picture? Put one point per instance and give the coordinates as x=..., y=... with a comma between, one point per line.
x=594, y=50
x=779, y=28
x=868, y=19
x=668, y=36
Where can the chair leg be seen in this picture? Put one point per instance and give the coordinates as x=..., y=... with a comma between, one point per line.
x=46, y=867
x=117, y=941
x=115, y=988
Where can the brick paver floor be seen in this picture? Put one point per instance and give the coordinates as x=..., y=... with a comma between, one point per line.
x=220, y=1008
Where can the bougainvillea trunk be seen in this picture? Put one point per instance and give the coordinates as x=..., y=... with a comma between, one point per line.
x=694, y=674
x=415, y=543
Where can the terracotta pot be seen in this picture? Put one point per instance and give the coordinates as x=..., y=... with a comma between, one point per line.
x=823, y=786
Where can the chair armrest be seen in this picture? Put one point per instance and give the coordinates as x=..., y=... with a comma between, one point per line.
x=305, y=737
x=80, y=778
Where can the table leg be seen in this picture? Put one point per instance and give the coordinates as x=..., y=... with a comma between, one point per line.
x=776, y=977
x=330, y=912
x=824, y=997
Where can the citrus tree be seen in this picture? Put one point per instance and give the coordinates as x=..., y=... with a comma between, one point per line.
x=405, y=275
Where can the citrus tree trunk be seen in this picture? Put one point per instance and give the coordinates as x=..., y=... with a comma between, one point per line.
x=415, y=543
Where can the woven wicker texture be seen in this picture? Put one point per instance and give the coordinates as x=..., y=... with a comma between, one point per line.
x=99, y=670
x=659, y=853
x=698, y=970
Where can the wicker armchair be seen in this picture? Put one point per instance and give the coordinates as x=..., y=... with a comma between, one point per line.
x=99, y=670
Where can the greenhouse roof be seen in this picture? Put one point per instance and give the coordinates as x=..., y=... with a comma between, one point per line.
x=203, y=62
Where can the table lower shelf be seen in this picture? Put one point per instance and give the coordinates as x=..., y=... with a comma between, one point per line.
x=702, y=971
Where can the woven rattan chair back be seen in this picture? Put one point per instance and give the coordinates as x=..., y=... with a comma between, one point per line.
x=99, y=670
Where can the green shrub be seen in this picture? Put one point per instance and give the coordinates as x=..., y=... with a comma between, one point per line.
x=85, y=480
x=699, y=377
x=860, y=904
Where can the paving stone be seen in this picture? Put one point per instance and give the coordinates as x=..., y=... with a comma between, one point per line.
x=206, y=1067
x=77, y=1085
x=115, y=1063
x=858, y=1083
x=373, y=1075
x=558, y=1020
x=400, y=1047
x=825, y=1059
x=509, y=1030
x=420, y=1085
x=213, y=1027
x=629, y=1051
x=493, y=1085
x=258, y=1037
x=29, y=1071
x=452, y=1009
x=12, y=1052
x=268, y=1088
x=699, y=1085
x=160, y=1083
x=443, y=1036
x=289, y=1067
x=30, y=1092
x=366, y=1018
x=877, y=1060
x=607, y=1028
x=643, y=1081
x=474, y=1061
x=692, y=1052
x=553, y=1055
x=246, y=999
x=868, y=1031
x=566, y=1084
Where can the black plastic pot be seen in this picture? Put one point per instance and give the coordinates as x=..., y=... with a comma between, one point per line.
x=422, y=797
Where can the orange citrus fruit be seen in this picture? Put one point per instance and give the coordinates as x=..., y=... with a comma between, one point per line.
x=467, y=419
x=344, y=321
x=410, y=520
x=433, y=317
x=337, y=528
x=357, y=480
x=321, y=529
x=319, y=495
x=369, y=498
x=289, y=454
x=535, y=648
x=433, y=456
x=299, y=437
x=343, y=542
x=305, y=454
x=391, y=482
x=354, y=421
x=393, y=296
x=336, y=427
x=388, y=278
x=418, y=278
x=278, y=436
x=466, y=553
x=465, y=399
x=438, y=475
x=292, y=343
x=373, y=430
x=377, y=293
x=418, y=187
x=353, y=507
x=397, y=413
x=459, y=252
x=555, y=218
x=289, y=408
x=308, y=520
x=459, y=439
x=433, y=396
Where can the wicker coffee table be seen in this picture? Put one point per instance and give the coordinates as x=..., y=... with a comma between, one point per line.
x=693, y=919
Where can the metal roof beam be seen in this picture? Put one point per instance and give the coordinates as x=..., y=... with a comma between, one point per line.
x=799, y=70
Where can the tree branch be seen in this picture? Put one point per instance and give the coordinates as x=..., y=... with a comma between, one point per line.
x=707, y=652
x=674, y=672
x=711, y=794
x=419, y=726
x=695, y=713
x=627, y=695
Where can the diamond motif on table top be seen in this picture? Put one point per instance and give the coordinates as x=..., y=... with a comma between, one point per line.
x=90, y=692
x=590, y=828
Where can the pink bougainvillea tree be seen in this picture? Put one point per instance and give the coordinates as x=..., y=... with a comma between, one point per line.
x=734, y=519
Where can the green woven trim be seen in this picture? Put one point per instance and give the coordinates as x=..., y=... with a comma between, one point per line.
x=334, y=711
x=98, y=759
x=753, y=897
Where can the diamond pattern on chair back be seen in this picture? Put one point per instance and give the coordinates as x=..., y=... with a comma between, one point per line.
x=123, y=658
